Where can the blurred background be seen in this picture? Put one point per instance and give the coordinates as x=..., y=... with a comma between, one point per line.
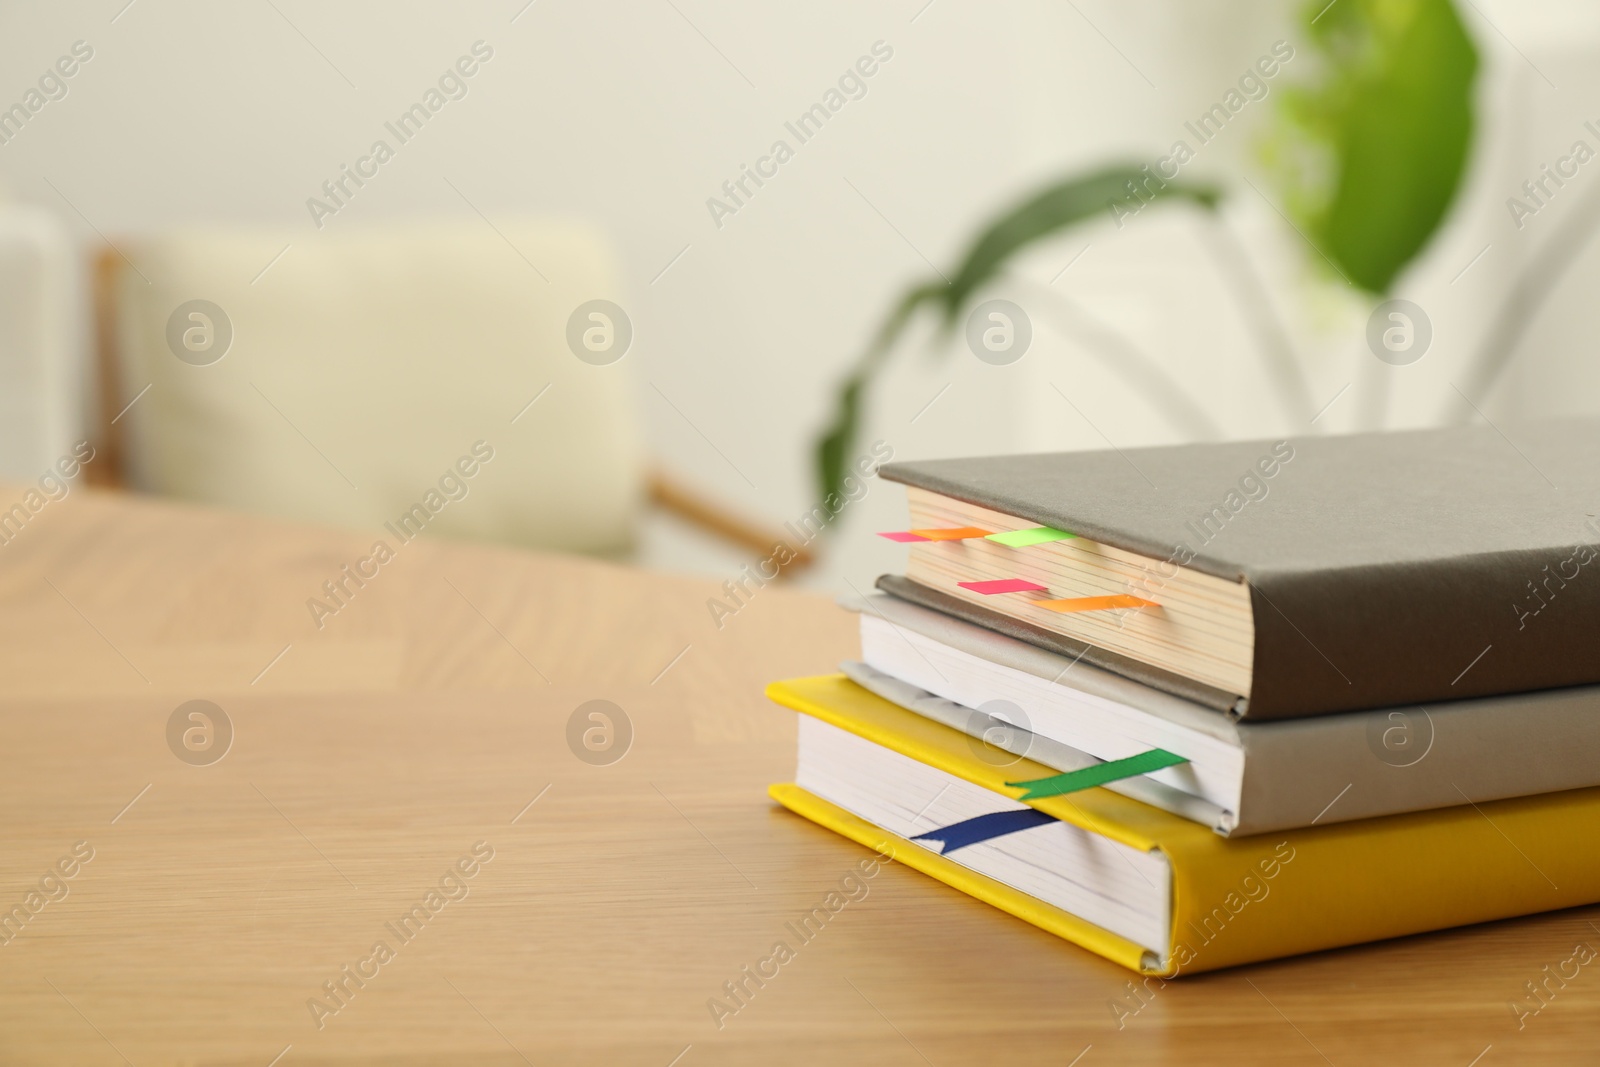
x=214, y=275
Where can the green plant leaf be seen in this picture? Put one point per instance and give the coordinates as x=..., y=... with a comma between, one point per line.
x=1378, y=147
x=1053, y=209
x=1114, y=192
x=833, y=449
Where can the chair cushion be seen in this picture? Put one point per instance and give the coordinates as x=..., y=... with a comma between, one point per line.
x=364, y=367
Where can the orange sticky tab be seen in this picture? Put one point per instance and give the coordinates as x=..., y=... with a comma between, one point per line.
x=960, y=533
x=1095, y=603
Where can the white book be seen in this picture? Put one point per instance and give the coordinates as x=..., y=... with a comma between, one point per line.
x=1112, y=885
x=1240, y=778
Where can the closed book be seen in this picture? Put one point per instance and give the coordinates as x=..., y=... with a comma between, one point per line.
x=1289, y=578
x=1238, y=778
x=1154, y=892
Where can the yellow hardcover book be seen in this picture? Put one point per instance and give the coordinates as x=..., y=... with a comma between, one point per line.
x=1229, y=900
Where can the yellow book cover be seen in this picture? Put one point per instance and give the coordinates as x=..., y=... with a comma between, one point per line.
x=1241, y=900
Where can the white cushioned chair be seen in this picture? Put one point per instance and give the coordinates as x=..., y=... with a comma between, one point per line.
x=362, y=367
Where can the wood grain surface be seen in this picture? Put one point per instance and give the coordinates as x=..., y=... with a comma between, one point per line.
x=429, y=716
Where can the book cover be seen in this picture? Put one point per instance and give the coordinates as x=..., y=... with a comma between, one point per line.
x=1242, y=900
x=1383, y=569
x=1321, y=769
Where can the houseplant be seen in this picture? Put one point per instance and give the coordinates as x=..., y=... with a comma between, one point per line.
x=1366, y=155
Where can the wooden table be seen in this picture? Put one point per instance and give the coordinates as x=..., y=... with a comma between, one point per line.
x=430, y=714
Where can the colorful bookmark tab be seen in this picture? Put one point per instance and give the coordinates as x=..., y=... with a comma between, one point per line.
x=1038, y=535
x=959, y=533
x=984, y=828
x=1100, y=774
x=1004, y=585
x=1095, y=603
x=903, y=536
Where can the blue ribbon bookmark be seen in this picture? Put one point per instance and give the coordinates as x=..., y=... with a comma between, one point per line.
x=984, y=828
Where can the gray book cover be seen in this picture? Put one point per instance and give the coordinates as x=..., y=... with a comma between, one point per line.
x=1383, y=569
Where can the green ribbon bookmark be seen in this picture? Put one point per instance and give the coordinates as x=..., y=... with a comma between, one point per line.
x=1087, y=778
x=1038, y=535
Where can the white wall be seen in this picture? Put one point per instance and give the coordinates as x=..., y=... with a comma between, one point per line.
x=632, y=114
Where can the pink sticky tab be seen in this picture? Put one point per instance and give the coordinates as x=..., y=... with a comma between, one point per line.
x=1004, y=585
x=902, y=535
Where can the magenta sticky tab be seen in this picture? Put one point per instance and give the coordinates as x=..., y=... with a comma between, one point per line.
x=1004, y=585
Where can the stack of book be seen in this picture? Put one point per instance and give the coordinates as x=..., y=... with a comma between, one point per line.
x=1199, y=706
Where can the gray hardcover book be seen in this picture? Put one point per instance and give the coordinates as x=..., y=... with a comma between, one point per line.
x=1241, y=778
x=1291, y=578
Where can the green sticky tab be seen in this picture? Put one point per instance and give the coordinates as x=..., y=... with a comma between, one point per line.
x=1038, y=535
x=1100, y=774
